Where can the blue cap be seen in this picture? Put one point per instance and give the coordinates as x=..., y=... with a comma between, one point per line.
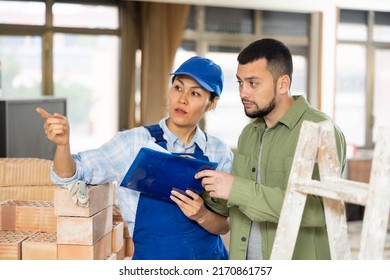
x=208, y=74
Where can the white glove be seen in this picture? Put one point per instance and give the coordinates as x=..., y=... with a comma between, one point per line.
x=79, y=192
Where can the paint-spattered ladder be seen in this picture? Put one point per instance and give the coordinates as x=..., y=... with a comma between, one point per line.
x=316, y=143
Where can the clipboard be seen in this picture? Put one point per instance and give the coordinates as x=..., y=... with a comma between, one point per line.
x=156, y=173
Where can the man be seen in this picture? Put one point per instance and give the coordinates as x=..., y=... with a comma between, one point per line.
x=253, y=193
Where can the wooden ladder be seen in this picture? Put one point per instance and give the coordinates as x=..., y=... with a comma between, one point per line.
x=316, y=143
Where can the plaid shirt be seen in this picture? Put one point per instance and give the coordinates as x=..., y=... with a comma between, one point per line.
x=110, y=162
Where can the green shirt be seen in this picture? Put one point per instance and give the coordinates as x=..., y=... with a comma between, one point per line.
x=250, y=201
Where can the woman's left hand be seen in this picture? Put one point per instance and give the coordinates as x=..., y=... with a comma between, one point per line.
x=191, y=205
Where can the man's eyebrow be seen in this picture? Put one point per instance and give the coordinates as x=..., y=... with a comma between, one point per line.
x=248, y=78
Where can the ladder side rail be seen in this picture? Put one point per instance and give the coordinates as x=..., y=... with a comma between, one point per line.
x=376, y=214
x=336, y=221
x=294, y=201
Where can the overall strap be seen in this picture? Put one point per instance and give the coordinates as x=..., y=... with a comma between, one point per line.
x=157, y=133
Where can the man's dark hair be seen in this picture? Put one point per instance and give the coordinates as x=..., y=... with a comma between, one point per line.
x=277, y=55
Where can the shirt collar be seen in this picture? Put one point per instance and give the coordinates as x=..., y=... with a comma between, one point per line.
x=291, y=117
x=199, y=137
x=295, y=112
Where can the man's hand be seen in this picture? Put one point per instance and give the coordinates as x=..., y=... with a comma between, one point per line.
x=217, y=183
x=56, y=127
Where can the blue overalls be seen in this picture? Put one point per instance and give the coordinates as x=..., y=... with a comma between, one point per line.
x=162, y=231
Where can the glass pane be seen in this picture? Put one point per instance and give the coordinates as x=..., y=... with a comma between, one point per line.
x=299, y=79
x=21, y=65
x=22, y=12
x=382, y=27
x=191, y=21
x=188, y=45
x=282, y=23
x=76, y=15
x=350, y=100
x=86, y=73
x=352, y=25
x=229, y=109
x=227, y=20
x=381, y=91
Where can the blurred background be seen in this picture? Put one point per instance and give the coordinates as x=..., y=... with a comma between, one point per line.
x=78, y=50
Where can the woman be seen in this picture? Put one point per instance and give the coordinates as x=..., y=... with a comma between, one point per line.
x=185, y=229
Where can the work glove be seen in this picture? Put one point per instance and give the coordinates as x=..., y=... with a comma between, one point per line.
x=79, y=192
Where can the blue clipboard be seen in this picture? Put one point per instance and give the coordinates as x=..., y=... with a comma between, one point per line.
x=156, y=173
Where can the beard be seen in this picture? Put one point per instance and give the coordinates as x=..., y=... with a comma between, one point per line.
x=262, y=112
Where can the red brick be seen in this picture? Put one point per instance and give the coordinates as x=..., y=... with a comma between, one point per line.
x=11, y=244
x=84, y=230
x=129, y=246
x=25, y=171
x=35, y=215
x=100, y=197
x=117, y=236
x=7, y=215
x=40, y=246
x=98, y=251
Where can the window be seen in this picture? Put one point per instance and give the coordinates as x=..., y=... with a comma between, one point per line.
x=22, y=12
x=351, y=92
x=353, y=25
x=84, y=42
x=85, y=16
x=227, y=31
x=360, y=107
x=21, y=65
x=86, y=73
x=20, y=54
x=381, y=85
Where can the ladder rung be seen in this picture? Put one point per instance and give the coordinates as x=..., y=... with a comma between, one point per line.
x=336, y=188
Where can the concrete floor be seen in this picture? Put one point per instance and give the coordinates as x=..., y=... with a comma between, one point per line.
x=354, y=231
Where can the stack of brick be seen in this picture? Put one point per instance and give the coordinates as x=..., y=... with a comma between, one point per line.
x=85, y=233
x=26, y=179
x=128, y=241
x=39, y=220
x=21, y=220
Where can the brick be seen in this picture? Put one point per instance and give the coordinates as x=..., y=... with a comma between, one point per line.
x=117, y=217
x=100, y=197
x=129, y=246
x=28, y=192
x=98, y=251
x=7, y=215
x=40, y=246
x=117, y=236
x=84, y=230
x=120, y=255
x=11, y=244
x=35, y=215
x=25, y=171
